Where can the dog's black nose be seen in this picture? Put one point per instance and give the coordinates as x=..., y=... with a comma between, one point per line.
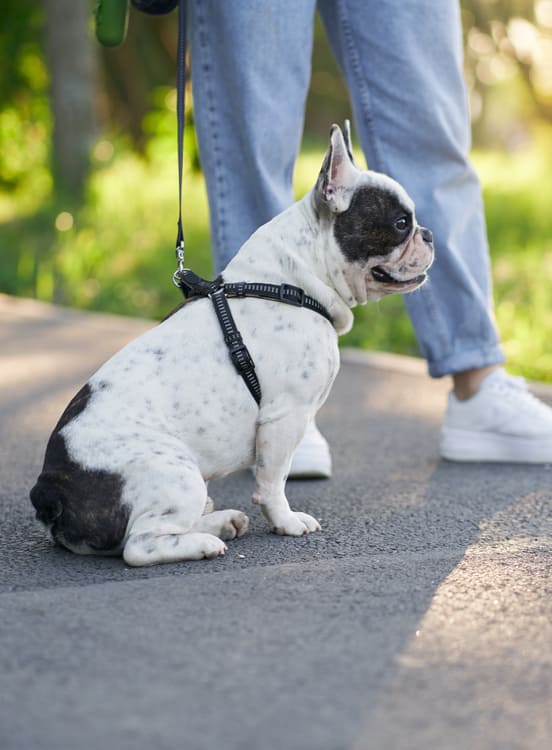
x=427, y=236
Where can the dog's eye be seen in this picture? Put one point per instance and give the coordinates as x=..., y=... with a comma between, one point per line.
x=402, y=224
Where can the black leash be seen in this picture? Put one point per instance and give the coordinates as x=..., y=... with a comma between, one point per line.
x=193, y=286
x=180, y=115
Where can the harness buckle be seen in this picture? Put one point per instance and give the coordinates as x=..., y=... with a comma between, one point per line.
x=239, y=352
x=293, y=295
x=193, y=285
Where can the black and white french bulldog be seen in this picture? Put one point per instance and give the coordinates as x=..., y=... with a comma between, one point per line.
x=126, y=466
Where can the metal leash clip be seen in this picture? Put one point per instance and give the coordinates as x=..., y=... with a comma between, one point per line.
x=180, y=258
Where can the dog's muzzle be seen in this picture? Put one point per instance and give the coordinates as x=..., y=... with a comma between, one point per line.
x=409, y=271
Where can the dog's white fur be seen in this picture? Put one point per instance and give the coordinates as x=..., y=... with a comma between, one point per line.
x=169, y=411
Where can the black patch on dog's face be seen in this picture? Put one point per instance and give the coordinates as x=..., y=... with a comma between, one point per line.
x=82, y=506
x=367, y=228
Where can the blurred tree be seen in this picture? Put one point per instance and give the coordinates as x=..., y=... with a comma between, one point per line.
x=24, y=112
x=508, y=43
x=70, y=59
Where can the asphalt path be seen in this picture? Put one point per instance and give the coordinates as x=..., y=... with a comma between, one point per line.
x=421, y=616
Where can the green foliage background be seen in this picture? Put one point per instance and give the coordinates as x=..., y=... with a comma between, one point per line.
x=114, y=251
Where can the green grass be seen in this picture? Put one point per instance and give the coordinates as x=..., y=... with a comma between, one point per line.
x=119, y=254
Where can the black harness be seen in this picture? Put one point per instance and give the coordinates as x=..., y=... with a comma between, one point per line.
x=193, y=286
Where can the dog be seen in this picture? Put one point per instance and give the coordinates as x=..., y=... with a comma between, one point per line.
x=126, y=466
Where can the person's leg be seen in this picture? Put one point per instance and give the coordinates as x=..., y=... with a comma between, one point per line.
x=403, y=63
x=250, y=74
x=402, y=60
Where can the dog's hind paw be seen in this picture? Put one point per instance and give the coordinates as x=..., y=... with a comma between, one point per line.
x=235, y=525
x=147, y=548
x=297, y=524
x=226, y=524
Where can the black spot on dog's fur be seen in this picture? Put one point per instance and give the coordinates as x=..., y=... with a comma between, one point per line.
x=143, y=537
x=367, y=227
x=81, y=506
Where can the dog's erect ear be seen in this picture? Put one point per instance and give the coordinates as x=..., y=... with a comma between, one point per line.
x=339, y=175
x=348, y=142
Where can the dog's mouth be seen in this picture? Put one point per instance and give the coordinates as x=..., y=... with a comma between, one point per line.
x=382, y=276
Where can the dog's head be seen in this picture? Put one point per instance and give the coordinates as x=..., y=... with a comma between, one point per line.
x=382, y=248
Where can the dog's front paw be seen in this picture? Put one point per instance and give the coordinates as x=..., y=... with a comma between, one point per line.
x=296, y=524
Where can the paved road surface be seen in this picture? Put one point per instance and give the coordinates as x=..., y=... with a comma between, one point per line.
x=420, y=618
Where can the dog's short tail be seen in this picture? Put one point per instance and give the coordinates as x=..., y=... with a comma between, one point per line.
x=47, y=502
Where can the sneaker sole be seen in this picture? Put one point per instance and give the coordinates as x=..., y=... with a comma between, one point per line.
x=306, y=473
x=310, y=474
x=467, y=445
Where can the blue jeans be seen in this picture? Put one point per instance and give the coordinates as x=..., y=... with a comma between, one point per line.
x=402, y=61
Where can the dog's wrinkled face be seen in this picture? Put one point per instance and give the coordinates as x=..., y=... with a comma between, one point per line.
x=374, y=225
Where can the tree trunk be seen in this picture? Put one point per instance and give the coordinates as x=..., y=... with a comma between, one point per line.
x=70, y=55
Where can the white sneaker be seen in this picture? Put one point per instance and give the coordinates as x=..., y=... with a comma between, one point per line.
x=502, y=422
x=312, y=459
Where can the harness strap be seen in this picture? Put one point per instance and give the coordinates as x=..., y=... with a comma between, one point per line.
x=192, y=285
x=239, y=353
x=287, y=293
